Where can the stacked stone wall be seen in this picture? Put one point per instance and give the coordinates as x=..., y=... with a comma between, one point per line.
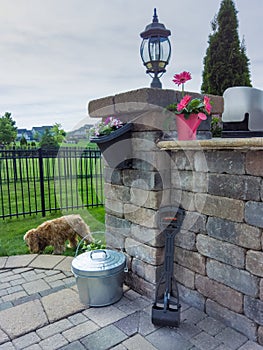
x=218, y=259
x=220, y=269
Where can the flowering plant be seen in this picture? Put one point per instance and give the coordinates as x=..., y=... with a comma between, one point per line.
x=189, y=105
x=106, y=127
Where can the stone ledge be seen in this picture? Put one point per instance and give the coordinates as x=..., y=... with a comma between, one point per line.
x=255, y=143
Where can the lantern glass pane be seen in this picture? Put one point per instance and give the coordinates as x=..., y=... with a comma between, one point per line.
x=145, y=51
x=165, y=49
x=154, y=48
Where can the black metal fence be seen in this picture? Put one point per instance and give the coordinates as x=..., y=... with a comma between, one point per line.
x=40, y=181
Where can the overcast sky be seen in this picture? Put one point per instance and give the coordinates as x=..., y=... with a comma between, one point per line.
x=56, y=55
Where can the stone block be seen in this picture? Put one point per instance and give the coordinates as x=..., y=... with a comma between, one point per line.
x=143, y=102
x=145, y=97
x=56, y=305
x=105, y=338
x=232, y=319
x=118, y=225
x=228, y=162
x=117, y=192
x=234, y=186
x=140, y=285
x=185, y=239
x=113, y=176
x=260, y=335
x=141, y=216
x=254, y=262
x=101, y=107
x=191, y=297
x=253, y=309
x=190, y=181
x=222, y=207
x=183, y=199
x=254, y=163
x=150, y=160
x=146, y=180
x=114, y=240
x=113, y=207
x=200, y=162
x=237, y=279
x=146, y=199
x=182, y=160
x=222, y=251
x=23, y=318
x=254, y=213
x=220, y=293
x=146, y=155
x=191, y=260
x=261, y=289
x=194, y=222
x=150, y=255
x=238, y=233
x=148, y=272
x=184, y=276
x=148, y=236
x=115, y=236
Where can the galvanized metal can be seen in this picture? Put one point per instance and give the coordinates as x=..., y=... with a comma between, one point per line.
x=99, y=275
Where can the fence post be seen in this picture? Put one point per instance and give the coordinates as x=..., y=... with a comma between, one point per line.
x=41, y=176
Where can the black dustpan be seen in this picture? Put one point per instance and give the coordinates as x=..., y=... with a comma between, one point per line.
x=166, y=310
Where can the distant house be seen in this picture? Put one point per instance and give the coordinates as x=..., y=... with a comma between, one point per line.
x=76, y=135
x=34, y=134
x=40, y=130
x=24, y=132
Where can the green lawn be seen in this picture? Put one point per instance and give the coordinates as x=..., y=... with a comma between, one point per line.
x=71, y=180
x=13, y=230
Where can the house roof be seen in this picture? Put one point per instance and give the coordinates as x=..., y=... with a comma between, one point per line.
x=41, y=128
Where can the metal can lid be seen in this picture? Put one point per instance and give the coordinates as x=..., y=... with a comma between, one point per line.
x=98, y=262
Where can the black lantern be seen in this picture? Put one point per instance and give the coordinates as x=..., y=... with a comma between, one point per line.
x=155, y=50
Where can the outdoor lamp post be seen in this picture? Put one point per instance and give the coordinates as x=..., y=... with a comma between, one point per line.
x=155, y=50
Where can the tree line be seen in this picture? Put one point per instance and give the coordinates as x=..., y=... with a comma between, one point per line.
x=8, y=133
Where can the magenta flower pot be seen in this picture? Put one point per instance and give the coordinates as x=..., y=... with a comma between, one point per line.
x=187, y=128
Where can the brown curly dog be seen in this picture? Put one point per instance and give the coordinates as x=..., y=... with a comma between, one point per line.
x=56, y=232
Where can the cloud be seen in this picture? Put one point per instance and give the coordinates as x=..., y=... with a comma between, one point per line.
x=57, y=55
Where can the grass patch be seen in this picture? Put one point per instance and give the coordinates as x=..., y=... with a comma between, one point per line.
x=12, y=230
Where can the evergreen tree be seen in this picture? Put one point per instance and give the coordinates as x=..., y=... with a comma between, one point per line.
x=8, y=130
x=226, y=63
x=48, y=140
x=23, y=142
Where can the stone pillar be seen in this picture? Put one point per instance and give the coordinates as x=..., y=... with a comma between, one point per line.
x=135, y=192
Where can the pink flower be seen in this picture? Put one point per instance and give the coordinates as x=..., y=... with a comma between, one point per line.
x=207, y=104
x=182, y=78
x=183, y=103
x=202, y=116
x=107, y=121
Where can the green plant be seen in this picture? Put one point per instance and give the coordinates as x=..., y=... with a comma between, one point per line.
x=106, y=127
x=97, y=244
x=216, y=126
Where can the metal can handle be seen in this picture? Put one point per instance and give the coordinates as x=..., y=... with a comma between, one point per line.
x=83, y=239
x=98, y=251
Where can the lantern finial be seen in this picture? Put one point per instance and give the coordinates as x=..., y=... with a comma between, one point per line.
x=155, y=17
